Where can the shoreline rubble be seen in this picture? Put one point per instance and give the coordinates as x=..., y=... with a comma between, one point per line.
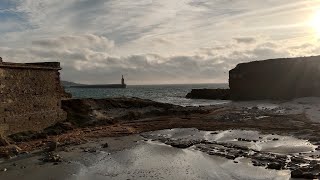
x=91, y=119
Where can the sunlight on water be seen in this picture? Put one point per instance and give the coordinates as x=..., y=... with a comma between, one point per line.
x=157, y=161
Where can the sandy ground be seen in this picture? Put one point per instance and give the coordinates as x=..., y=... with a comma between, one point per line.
x=137, y=157
x=264, y=127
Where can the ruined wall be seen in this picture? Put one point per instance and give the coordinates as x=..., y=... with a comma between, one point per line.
x=30, y=97
x=276, y=79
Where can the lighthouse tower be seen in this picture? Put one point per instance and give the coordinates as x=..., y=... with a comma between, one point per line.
x=122, y=80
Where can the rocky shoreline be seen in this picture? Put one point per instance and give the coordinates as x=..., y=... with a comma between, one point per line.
x=92, y=119
x=242, y=148
x=221, y=94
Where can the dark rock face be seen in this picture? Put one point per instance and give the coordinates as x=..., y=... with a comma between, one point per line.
x=4, y=141
x=276, y=79
x=223, y=94
x=309, y=172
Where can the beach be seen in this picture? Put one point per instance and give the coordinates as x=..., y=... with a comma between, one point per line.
x=150, y=140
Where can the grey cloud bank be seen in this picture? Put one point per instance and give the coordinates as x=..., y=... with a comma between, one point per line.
x=185, y=41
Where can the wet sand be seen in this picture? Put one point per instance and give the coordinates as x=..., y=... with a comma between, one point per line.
x=240, y=140
x=147, y=157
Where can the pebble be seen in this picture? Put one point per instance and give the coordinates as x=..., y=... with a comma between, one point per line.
x=105, y=145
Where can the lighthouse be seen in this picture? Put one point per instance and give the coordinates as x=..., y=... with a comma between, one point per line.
x=122, y=80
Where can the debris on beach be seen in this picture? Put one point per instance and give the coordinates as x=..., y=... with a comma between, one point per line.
x=51, y=157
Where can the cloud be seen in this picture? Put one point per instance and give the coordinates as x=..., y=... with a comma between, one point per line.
x=80, y=41
x=154, y=41
x=84, y=64
x=246, y=40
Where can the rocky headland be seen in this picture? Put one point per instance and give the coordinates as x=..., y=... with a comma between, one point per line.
x=279, y=79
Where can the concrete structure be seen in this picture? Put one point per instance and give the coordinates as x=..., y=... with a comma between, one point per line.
x=122, y=85
x=286, y=78
x=122, y=81
x=30, y=96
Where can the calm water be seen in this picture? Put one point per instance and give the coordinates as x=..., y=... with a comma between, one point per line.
x=174, y=94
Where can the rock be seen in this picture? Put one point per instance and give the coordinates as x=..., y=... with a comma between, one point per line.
x=89, y=150
x=51, y=157
x=229, y=156
x=4, y=169
x=223, y=94
x=132, y=115
x=313, y=162
x=255, y=108
x=52, y=146
x=66, y=126
x=12, y=150
x=299, y=160
x=299, y=173
x=105, y=145
x=182, y=143
x=274, y=165
x=307, y=172
x=257, y=163
x=92, y=150
x=242, y=139
x=4, y=141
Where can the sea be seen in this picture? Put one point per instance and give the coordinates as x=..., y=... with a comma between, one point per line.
x=173, y=93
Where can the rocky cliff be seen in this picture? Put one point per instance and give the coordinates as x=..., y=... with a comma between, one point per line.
x=276, y=79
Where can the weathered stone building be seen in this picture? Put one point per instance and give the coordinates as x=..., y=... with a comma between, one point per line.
x=30, y=96
x=276, y=79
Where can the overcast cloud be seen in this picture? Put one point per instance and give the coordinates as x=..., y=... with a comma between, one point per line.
x=182, y=41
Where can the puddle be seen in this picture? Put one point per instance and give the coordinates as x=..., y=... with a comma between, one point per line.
x=153, y=160
x=208, y=155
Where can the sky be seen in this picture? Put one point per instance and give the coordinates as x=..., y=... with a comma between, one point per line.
x=156, y=41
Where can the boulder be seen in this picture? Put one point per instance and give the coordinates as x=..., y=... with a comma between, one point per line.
x=52, y=146
x=221, y=94
x=4, y=141
x=105, y=145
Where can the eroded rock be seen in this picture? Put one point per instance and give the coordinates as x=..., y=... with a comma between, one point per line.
x=52, y=157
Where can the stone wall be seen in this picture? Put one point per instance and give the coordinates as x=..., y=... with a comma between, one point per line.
x=30, y=96
x=276, y=79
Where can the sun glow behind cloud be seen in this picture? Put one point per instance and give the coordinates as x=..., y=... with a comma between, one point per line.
x=315, y=23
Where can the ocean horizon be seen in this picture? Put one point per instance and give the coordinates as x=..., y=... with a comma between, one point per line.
x=165, y=93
